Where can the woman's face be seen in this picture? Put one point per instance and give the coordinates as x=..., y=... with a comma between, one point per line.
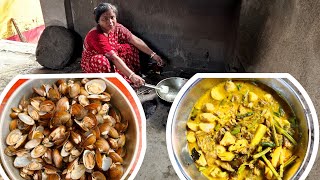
x=108, y=21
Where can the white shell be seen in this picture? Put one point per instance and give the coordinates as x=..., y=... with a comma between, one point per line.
x=106, y=163
x=86, y=155
x=32, y=143
x=95, y=86
x=22, y=161
x=26, y=119
x=13, y=137
x=78, y=171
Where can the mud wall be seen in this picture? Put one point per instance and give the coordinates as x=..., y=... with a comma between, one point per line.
x=198, y=36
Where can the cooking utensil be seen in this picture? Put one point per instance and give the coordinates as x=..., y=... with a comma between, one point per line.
x=283, y=83
x=122, y=96
x=174, y=84
x=162, y=89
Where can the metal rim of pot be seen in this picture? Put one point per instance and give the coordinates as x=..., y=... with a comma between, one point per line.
x=312, y=126
x=174, y=83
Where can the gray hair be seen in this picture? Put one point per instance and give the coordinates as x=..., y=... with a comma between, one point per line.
x=104, y=7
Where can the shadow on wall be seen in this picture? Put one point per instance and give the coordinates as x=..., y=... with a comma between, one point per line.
x=188, y=34
x=261, y=24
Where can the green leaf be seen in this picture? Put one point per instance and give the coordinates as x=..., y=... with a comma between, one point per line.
x=241, y=116
x=235, y=130
x=276, y=114
x=239, y=86
x=194, y=113
x=217, y=128
x=293, y=121
x=267, y=144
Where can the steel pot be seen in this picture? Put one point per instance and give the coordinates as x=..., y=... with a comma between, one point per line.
x=284, y=84
x=123, y=96
x=174, y=84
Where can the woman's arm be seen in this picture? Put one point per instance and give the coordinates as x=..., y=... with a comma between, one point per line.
x=121, y=65
x=142, y=46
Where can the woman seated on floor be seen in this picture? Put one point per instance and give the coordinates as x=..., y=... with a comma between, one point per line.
x=111, y=47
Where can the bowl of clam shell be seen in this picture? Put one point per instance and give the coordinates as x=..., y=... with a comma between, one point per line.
x=71, y=126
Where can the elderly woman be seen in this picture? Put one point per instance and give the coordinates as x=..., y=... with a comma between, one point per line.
x=111, y=47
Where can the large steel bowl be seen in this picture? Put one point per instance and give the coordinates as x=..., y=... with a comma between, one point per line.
x=174, y=84
x=122, y=96
x=284, y=84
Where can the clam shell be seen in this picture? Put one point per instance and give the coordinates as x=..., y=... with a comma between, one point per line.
x=106, y=163
x=54, y=176
x=27, y=171
x=57, y=158
x=121, y=140
x=13, y=137
x=83, y=100
x=115, y=157
x=116, y=171
x=13, y=124
x=76, y=138
x=73, y=90
x=32, y=143
x=34, y=166
x=78, y=111
x=57, y=133
x=33, y=113
x=47, y=157
x=63, y=104
x=113, y=133
x=22, y=161
x=49, y=169
x=38, y=151
x=99, y=97
x=104, y=109
x=40, y=91
x=102, y=145
x=91, y=139
x=78, y=171
x=10, y=151
x=89, y=159
x=23, y=103
x=21, y=141
x=113, y=143
x=54, y=93
x=66, y=148
x=22, y=152
x=95, y=86
x=26, y=119
x=97, y=175
x=47, y=106
x=14, y=115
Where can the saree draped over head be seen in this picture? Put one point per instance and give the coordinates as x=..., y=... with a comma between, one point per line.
x=99, y=46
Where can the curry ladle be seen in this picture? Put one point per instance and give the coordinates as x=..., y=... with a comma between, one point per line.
x=162, y=88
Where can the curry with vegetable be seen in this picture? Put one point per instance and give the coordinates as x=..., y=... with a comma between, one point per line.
x=242, y=130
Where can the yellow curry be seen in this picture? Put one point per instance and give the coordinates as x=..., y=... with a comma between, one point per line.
x=242, y=130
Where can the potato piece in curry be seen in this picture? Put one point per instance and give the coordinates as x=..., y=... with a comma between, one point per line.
x=242, y=130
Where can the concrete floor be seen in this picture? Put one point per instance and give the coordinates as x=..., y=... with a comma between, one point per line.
x=18, y=58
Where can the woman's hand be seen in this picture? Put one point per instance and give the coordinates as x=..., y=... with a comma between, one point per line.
x=136, y=80
x=158, y=59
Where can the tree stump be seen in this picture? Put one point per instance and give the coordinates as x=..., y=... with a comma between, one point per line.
x=55, y=47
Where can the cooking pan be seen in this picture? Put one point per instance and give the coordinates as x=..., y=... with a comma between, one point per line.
x=174, y=84
x=284, y=84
